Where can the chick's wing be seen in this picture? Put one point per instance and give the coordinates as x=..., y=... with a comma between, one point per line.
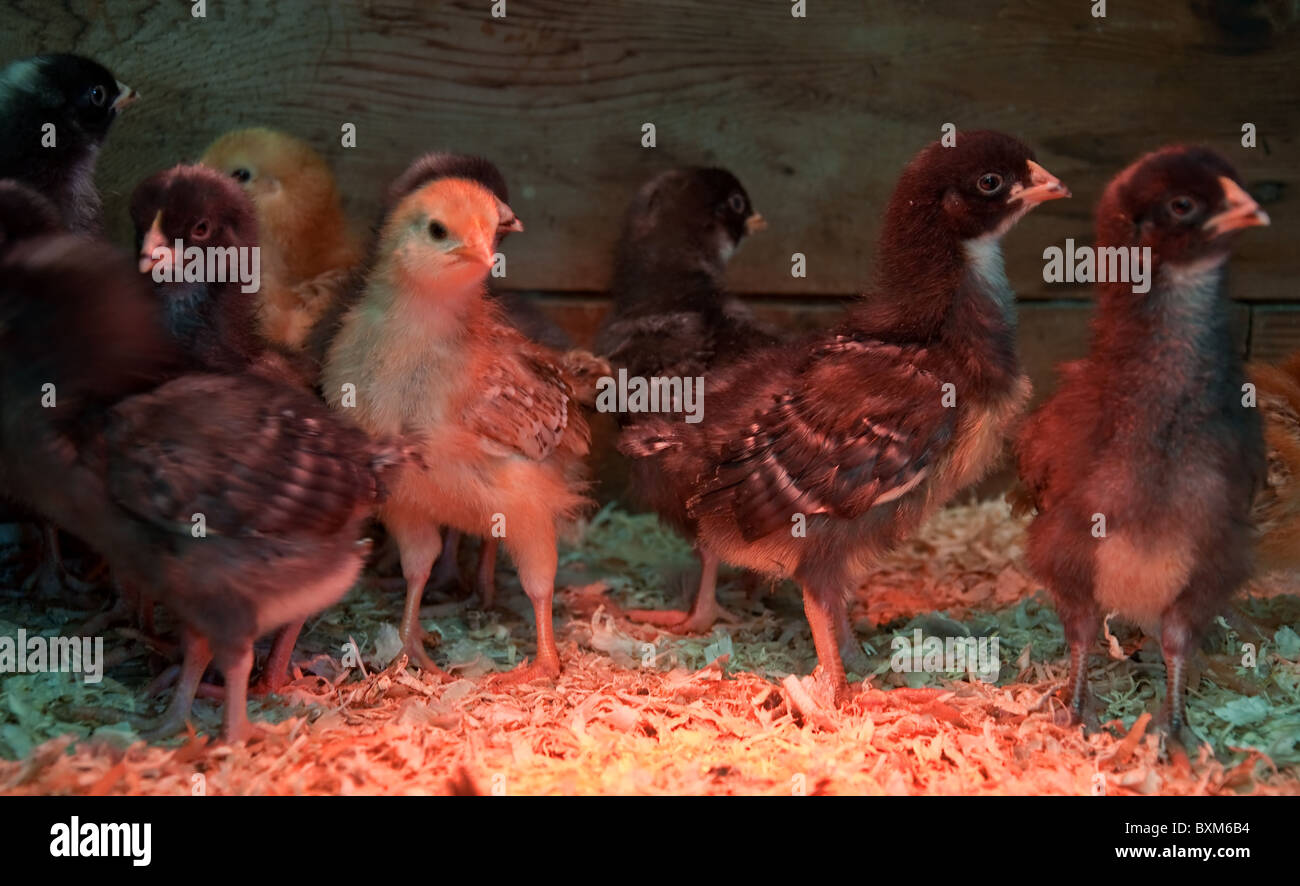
x=250, y=456
x=526, y=405
x=862, y=425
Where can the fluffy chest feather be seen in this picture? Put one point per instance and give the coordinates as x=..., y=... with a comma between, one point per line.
x=979, y=442
x=392, y=373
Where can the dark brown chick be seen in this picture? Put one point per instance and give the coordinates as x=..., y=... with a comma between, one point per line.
x=234, y=500
x=672, y=318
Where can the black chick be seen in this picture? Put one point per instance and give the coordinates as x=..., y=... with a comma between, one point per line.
x=235, y=500
x=816, y=457
x=1143, y=464
x=671, y=317
x=80, y=99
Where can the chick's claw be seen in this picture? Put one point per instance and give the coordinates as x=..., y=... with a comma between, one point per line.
x=525, y=673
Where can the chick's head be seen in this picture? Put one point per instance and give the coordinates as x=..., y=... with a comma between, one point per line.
x=442, y=237
x=689, y=210
x=271, y=165
x=978, y=187
x=80, y=94
x=1186, y=203
x=193, y=204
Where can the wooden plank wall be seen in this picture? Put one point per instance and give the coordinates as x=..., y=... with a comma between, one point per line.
x=816, y=115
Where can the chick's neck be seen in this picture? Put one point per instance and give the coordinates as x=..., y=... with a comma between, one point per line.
x=444, y=310
x=945, y=294
x=1182, y=326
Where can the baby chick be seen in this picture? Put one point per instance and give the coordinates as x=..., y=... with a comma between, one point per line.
x=816, y=457
x=425, y=350
x=235, y=500
x=671, y=317
x=80, y=99
x=1144, y=462
x=1277, y=507
x=308, y=251
x=212, y=320
x=519, y=312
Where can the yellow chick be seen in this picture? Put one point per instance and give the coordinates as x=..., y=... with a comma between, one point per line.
x=308, y=251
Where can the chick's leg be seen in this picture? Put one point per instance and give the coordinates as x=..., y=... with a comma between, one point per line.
x=533, y=550
x=1177, y=641
x=705, y=611
x=821, y=609
x=195, y=662
x=236, y=665
x=1081, y=625
x=851, y=652
x=446, y=568
x=419, y=543
x=486, y=579
x=276, y=673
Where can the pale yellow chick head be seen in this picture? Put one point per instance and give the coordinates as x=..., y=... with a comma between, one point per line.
x=443, y=236
x=267, y=163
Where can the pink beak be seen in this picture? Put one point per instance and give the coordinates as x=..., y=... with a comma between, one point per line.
x=154, y=249
x=1242, y=211
x=1043, y=186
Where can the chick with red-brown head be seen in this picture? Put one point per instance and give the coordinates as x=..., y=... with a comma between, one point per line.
x=1144, y=464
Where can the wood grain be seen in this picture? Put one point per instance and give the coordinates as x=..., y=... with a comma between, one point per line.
x=815, y=115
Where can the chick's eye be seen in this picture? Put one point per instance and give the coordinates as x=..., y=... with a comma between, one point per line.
x=989, y=183
x=736, y=203
x=97, y=96
x=1182, y=207
x=200, y=230
x=241, y=175
x=437, y=230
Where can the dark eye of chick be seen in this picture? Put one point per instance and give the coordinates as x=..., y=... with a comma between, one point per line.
x=736, y=203
x=200, y=229
x=241, y=175
x=1182, y=207
x=97, y=95
x=437, y=230
x=989, y=183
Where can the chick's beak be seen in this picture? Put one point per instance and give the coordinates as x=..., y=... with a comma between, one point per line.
x=477, y=251
x=1043, y=186
x=154, y=249
x=1241, y=211
x=126, y=96
x=755, y=223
